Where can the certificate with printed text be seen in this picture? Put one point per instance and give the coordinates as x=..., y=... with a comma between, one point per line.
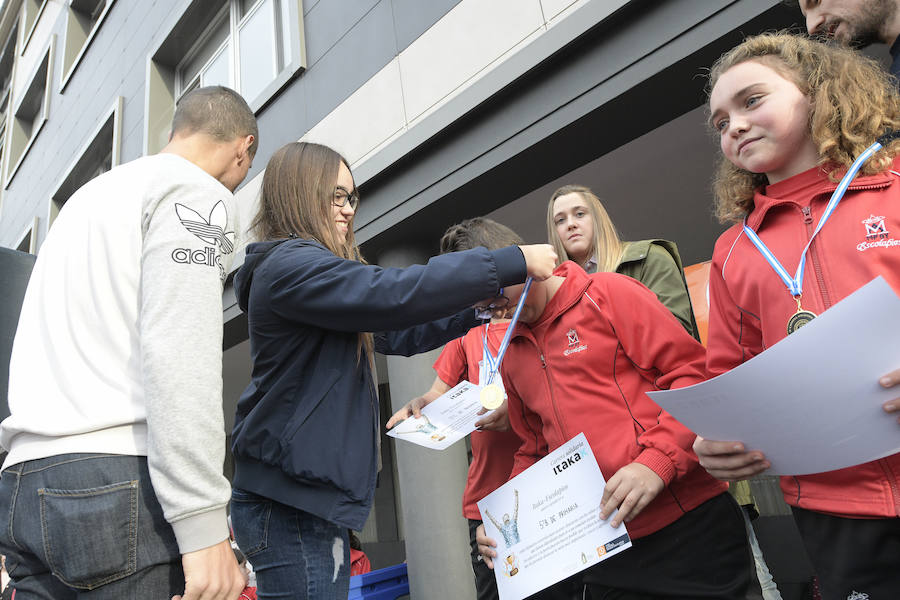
x=546, y=522
x=448, y=419
x=811, y=403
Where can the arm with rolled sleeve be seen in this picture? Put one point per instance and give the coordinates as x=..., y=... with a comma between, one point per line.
x=665, y=353
x=180, y=328
x=451, y=369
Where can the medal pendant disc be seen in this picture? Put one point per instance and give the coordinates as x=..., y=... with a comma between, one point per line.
x=799, y=319
x=491, y=396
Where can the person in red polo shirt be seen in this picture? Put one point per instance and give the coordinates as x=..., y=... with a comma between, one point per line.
x=463, y=359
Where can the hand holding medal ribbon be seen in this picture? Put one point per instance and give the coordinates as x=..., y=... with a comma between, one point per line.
x=491, y=395
x=795, y=284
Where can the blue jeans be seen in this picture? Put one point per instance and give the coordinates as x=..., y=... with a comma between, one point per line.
x=86, y=526
x=294, y=554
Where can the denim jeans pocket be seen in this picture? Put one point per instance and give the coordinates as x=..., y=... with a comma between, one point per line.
x=250, y=516
x=90, y=535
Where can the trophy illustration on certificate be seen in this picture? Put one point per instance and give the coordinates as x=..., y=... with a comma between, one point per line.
x=511, y=565
x=554, y=529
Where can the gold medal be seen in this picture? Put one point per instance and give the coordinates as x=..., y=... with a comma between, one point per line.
x=799, y=318
x=491, y=396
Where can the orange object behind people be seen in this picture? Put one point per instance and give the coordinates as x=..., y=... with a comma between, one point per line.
x=697, y=277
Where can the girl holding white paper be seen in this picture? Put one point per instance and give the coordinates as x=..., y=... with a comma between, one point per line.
x=794, y=116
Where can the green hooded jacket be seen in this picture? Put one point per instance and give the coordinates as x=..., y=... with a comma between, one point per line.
x=657, y=264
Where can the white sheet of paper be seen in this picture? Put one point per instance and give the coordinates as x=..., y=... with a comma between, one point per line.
x=811, y=403
x=546, y=521
x=445, y=421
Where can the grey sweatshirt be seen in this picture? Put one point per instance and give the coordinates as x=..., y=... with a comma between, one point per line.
x=119, y=344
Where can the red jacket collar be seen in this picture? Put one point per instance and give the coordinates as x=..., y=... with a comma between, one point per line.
x=576, y=282
x=801, y=189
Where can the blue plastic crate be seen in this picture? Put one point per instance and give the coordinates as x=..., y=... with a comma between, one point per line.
x=388, y=583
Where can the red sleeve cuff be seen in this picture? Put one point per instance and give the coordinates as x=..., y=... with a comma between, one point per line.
x=659, y=462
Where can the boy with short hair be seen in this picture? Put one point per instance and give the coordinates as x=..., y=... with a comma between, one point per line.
x=494, y=446
x=585, y=351
x=105, y=409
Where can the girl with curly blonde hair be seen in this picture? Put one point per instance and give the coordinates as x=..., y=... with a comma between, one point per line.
x=793, y=114
x=852, y=102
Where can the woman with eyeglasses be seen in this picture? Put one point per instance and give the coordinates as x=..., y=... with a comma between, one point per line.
x=580, y=230
x=305, y=438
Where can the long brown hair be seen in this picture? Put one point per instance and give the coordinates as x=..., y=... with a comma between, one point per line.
x=605, y=243
x=296, y=195
x=852, y=102
x=296, y=201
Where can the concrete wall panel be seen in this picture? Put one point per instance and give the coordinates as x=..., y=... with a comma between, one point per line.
x=362, y=53
x=464, y=42
x=113, y=65
x=328, y=22
x=412, y=17
x=553, y=8
x=368, y=117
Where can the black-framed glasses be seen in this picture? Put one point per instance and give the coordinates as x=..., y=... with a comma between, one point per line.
x=486, y=311
x=342, y=197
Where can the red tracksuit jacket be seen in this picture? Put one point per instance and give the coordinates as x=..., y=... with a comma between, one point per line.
x=602, y=342
x=750, y=305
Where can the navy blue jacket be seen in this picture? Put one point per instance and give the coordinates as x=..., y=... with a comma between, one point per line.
x=305, y=432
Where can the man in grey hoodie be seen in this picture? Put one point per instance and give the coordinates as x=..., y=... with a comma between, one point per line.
x=113, y=482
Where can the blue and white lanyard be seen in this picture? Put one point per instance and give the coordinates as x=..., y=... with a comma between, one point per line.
x=489, y=359
x=795, y=284
x=495, y=367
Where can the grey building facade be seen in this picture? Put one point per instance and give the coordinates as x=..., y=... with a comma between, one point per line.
x=446, y=109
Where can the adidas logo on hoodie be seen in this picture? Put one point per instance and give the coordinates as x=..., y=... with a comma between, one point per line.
x=212, y=231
